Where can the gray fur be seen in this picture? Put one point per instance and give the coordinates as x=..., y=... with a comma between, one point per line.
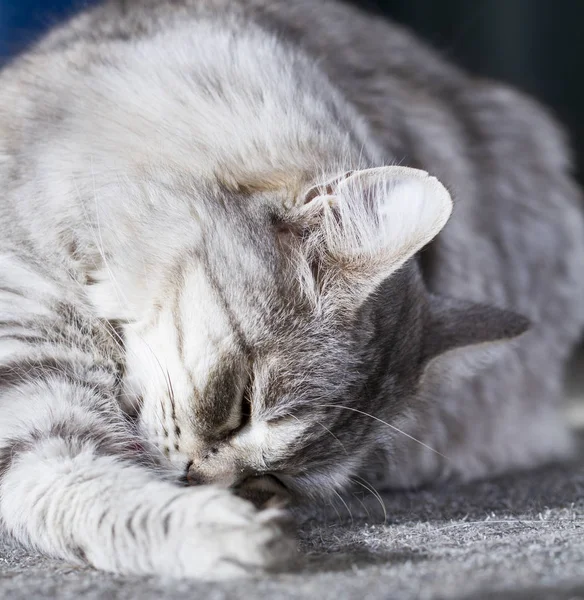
x=406, y=376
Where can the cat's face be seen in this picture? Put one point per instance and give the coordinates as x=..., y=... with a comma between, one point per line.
x=289, y=333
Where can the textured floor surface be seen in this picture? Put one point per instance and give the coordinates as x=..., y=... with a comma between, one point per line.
x=516, y=537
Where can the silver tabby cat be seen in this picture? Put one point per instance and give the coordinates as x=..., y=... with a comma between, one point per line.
x=216, y=269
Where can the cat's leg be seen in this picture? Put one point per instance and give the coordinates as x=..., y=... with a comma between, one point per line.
x=71, y=483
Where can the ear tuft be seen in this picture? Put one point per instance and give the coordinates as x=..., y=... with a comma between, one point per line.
x=351, y=232
x=326, y=188
x=408, y=206
x=370, y=222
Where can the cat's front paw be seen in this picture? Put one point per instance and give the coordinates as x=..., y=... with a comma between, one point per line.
x=221, y=536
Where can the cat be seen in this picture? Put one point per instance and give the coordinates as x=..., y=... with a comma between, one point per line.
x=252, y=249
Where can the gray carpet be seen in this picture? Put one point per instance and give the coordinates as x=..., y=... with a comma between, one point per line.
x=516, y=537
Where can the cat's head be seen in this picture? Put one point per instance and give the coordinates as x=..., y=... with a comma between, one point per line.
x=292, y=334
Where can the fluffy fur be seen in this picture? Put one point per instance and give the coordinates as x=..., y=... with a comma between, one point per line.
x=213, y=271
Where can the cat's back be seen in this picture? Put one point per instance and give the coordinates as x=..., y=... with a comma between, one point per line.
x=501, y=155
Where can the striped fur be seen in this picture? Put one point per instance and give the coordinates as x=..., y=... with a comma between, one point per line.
x=210, y=273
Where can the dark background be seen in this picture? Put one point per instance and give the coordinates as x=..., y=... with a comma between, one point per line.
x=536, y=45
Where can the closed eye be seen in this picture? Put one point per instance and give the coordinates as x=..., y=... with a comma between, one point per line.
x=281, y=419
x=246, y=403
x=245, y=408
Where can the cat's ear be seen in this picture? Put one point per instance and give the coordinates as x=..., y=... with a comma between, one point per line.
x=457, y=323
x=372, y=221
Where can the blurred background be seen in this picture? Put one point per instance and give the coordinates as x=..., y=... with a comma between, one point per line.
x=535, y=45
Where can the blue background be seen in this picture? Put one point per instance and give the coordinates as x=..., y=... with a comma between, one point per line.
x=23, y=20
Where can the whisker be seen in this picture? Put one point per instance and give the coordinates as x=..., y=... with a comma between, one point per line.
x=344, y=503
x=362, y=504
x=365, y=484
x=388, y=425
x=324, y=427
x=336, y=438
x=338, y=513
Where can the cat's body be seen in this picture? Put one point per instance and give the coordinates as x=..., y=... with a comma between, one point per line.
x=158, y=162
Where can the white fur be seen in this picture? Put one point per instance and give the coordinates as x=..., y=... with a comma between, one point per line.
x=409, y=208
x=124, y=174
x=125, y=521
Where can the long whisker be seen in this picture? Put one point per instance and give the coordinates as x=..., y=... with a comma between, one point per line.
x=324, y=427
x=362, y=504
x=336, y=510
x=365, y=484
x=388, y=425
x=344, y=503
x=336, y=438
